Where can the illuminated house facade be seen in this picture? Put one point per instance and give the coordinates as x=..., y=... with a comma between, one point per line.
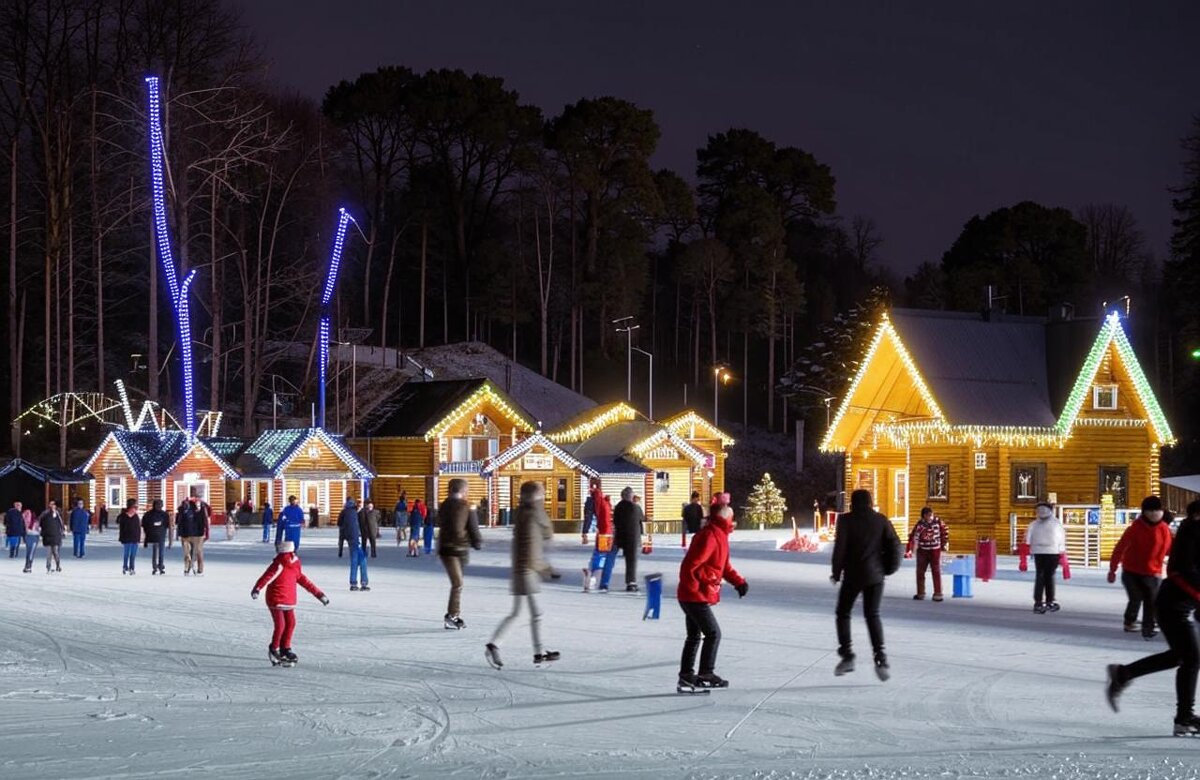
x=982, y=419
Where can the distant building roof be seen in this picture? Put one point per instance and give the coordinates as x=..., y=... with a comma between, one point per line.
x=418, y=407
x=273, y=449
x=47, y=474
x=1189, y=482
x=154, y=454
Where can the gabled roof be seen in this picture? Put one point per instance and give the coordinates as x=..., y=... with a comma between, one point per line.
x=592, y=421
x=629, y=441
x=690, y=425
x=520, y=448
x=153, y=454
x=269, y=455
x=427, y=408
x=47, y=474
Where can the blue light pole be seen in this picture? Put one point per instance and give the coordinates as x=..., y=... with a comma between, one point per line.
x=323, y=329
x=179, y=292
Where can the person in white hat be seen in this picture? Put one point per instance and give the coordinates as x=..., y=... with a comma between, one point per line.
x=280, y=580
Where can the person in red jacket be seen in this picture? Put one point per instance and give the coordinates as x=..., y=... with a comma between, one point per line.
x=1141, y=552
x=704, y=567
x=280, y=579
x=604, y=531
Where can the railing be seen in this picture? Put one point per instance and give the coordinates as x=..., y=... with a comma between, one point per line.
x=461, y=467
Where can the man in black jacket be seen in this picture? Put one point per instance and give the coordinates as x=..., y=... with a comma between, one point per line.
x=693, y=516
x=1178, y=598
x=865, y=551
x=53, y=528
x=192, y=524
x=155, y=524
x=458, y=530
x=628, y=518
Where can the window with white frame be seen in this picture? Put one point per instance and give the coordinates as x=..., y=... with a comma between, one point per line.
x=1104, y=397
x=114, y=491
x=981, y=460
x=465, y=448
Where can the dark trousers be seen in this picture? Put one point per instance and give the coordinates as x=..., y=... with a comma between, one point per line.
x=929, y=559
x=341, y=543
x=872, y=595
x=1045, y=565
x=630, y=553
x=1183, y=648
x=368, y=539
x=700, y=621
x=1142, y=589
x=156, y=555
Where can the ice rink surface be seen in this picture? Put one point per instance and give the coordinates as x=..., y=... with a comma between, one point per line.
x=105, y=676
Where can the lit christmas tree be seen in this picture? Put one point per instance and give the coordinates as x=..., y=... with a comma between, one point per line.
x=766, y=505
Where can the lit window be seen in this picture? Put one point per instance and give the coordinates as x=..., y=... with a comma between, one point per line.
x=460, y=450
x=1104, y=397
x=981, y=460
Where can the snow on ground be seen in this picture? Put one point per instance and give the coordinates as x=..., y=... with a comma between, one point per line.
x=104, y=676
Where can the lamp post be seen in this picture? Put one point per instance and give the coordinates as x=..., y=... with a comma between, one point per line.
x=721, y=376
x=627, y=327
x=651, y=403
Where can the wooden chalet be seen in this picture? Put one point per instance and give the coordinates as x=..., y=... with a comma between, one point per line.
x=708, y=438
x=537, y=458
x=982, y=418
x=438, y=430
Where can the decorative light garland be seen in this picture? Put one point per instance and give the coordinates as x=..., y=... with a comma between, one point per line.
x=690, y=420
x=491, y=465
x=283, y=445
x=485, y=392
x=125, y=405
x=166, y=258
x=599, y=420
x=644, y=446
x=324, y=328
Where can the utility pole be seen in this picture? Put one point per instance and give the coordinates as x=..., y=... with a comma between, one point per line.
x=626, y=326
x=651, y=403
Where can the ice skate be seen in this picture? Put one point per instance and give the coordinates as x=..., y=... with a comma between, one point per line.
x=711, y=681
x=631, y=588
x=58, y=570
x=587, y=580
x=687, y=684
x=882, y=671
x=1187, y=727
x=289, y=658
x=1131, y=628
x=354, y=588
x=1039, y=608
x=1116, y=684
x=546, y=657
x=845, y=666
x=492, y=654
x=162, y=569
x=125, y=570
x=453, y=622
x=274, y=656
x=1053, y=606
x=365, y=587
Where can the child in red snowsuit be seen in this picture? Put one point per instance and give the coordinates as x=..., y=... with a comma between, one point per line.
x=280, y=580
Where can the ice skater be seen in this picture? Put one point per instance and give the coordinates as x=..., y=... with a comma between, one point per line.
x=531, y=530
x=692, y=517
x=154, y=535
x=1141, y=552
x=459, y=531
x=280, y=579
x=350, y=524
x=268, y=521
x=400, y=517
x=102, y=518
x=33, y=535
x=1047, y=542
x=866, y=549
x=80, y=522
x=368, y=521
x=291, y=523
x=604, y=553
x=14, y=529
x=628, y=520
x=129, y=534
x=929, y=538
x=705, y=567
x=1178, y=599
x=416, y=520
x=192, y=523
x=429, y=523
x=53, y=530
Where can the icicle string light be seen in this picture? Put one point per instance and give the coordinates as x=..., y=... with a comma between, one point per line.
x=335, y=259
x=686, y=424
x=590, y=426
x=644, y=447
x=517, y=450
x=485, y=393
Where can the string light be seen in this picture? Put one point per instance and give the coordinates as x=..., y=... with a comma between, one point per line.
x=690, y=420
x=517, y=450
x=125, y=406
x=485, y=393
x=323, y=363
x=595, y=421
x=276, y=449
x=664, y=435
x=323, y=329
x=335, y=260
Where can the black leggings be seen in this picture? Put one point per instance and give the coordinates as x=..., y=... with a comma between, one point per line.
x=872, y=595
x=700, y=620
x=1183, y=648
x=1045, y=565
x=1142, y=589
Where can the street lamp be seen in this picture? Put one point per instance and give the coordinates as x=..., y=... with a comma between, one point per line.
x=627, y=327
x=647, y=354
x=721, y=375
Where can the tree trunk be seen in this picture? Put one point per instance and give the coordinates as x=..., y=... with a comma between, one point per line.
x=772, y=324
x=216, y=305
x=424, y=256
x=367, y=268
x=15, y=337
x=97, y=253
x=387, y=290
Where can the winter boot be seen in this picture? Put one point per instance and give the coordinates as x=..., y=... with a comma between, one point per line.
x=1039, y=608
x=711, y=680
x=453, y=622
x=492, y=654
x=1187, y=726
x=274, y=656
x=365, y=587
x=882, y=671
x=846, y=665
x=354, y=586
x=1116, y=684
x=289, y=658
x=546, y=657
x=1052, y=606
x=631, y=587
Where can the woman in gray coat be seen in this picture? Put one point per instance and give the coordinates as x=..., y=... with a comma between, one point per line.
x=531, y=528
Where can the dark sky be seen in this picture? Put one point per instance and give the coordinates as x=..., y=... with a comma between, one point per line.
x=928, y=113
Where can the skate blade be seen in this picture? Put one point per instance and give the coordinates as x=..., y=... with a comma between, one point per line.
x=883, y=674
x=693, y=691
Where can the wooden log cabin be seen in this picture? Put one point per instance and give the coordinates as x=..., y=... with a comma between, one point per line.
x=438, y=430
x=982, y=417
x=537, y=458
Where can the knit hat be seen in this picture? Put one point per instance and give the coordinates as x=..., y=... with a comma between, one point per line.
x=285, y=547
x=1152, y=504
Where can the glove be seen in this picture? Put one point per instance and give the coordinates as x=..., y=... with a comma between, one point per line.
x=1112, y=576
x=477, y=546
x=908, y=553
x=742, y=589
x=324, y=599
x=834, y=579
x=555, y=574
x=254, y=594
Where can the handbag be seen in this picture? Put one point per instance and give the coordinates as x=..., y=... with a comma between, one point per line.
x=604, y=542
x=1066, y=565
x=1023, y=551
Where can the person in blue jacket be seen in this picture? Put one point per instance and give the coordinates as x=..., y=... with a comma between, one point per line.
x=80, y=521
x=268, y=521
x=291, y=522
x=14, y=529
x=351, y=527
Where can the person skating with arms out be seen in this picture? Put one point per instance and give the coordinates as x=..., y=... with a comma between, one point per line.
x=1047, y=542
x=531, y=530
x=129, y=534
x=929, y=538
x=458, y=532
x=1141, y=552
x=280, y=579
x=1176, y=605
x=704, y=569
x=865, y=550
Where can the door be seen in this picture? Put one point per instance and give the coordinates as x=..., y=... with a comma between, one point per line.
x=114, y=492
x=899, y=498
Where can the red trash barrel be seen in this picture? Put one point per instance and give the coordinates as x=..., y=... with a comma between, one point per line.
x=985, y=559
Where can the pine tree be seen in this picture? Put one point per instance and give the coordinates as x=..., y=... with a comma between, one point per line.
x=766, y=503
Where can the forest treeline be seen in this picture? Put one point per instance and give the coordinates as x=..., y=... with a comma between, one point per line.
x=479, y=216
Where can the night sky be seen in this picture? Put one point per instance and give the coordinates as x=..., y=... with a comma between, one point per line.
x=928, y=113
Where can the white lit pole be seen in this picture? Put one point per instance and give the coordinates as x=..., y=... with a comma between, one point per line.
x=625, y=326
x=649, y=355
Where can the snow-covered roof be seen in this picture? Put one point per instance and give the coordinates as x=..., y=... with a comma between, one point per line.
x=1189, y=482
